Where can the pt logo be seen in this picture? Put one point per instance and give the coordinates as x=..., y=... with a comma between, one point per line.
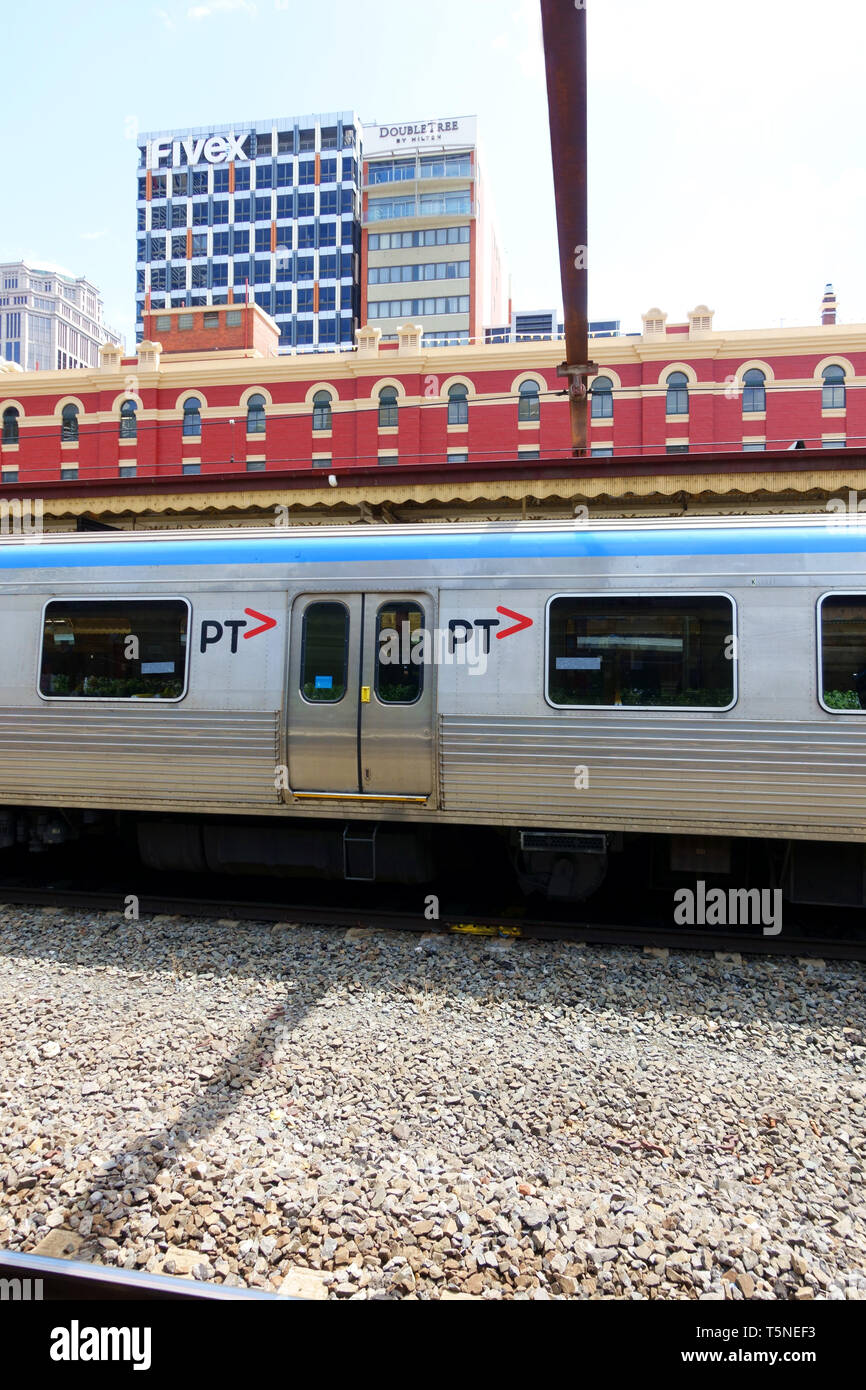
x=461, y=629
x=213, y=631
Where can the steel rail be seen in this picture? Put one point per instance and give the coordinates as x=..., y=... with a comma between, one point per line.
x=73, y=1280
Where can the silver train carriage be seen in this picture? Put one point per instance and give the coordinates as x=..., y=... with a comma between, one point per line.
x=320, y=700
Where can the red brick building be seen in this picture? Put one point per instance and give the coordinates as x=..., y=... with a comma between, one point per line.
x=207, y=394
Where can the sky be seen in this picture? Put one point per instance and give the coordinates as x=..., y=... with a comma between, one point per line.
x=726, y=152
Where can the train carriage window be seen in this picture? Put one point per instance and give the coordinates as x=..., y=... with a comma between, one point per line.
x=664, y=652
x=114, y=649
x=325, y=652
x=842, y=622
x=399, y=653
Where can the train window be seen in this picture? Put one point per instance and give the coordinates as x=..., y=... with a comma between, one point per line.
x=325, y=652
x=665, y=651
x=399, y=648
x=114, y=649
x=842, y=645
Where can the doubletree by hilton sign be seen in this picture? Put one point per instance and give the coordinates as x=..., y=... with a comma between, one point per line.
x=213, y=149
x=450, y=133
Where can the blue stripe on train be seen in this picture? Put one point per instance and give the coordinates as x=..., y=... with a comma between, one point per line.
x=305, y=550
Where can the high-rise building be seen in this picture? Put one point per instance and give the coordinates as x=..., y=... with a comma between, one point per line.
x=267, y=210
x=430, y=252
x=49, y=319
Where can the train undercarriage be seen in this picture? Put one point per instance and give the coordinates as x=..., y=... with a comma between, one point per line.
x=552, y=866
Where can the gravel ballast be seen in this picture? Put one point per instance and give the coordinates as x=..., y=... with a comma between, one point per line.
x=377, y=1115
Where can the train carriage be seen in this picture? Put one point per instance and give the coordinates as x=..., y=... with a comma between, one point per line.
x=290, y=698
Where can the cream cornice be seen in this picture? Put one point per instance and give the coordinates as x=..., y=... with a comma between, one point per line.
x=212, y=370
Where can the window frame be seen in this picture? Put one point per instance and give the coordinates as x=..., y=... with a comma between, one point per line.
x=190, y=414
x=679, y=388
x=325, y=598
x=128, y=413
x=260, y=411
x=458, y=397
x=603, y=395
x=114, y=699
x=389, y=408
x=323, y=407
x=752, y=386
x=834, y=385
x=69, y=423
x=819, y=647
x=11, y=425
x=529, y=402
x=650, y=597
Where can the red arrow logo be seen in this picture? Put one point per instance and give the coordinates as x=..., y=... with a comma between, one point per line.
x=520, y=624
x=266, y=622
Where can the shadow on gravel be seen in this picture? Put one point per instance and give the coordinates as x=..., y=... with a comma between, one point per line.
x=467, y=973
x=193, y=1117
x=144, y=1154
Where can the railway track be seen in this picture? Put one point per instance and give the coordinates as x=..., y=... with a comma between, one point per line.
x=796, y=941
x=31, y=1278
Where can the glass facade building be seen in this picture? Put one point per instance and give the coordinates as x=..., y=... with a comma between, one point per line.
x=268, y=209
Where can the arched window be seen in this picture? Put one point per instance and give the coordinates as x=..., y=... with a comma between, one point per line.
x=322, y=410
x=256, y=415
x=677, y=402
x=833, y=394
x=388, y=406
x=458, y=404
x=10, y=425
x=192, y=416
x=754, y=391
x=69, y=422
x=528, y=407
x=601, y=396
x=128, y=421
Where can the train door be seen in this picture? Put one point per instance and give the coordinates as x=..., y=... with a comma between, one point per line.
x=361, y=698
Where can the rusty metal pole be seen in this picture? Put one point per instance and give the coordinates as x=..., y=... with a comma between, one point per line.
x=563, y=24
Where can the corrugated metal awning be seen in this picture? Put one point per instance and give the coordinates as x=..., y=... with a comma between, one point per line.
x=723, y=485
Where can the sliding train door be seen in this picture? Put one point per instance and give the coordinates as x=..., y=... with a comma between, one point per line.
x=361, y=700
